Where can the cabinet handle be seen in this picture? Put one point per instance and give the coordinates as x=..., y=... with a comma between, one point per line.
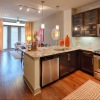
x=68, y=57
x=92, y=61
x=87, y=53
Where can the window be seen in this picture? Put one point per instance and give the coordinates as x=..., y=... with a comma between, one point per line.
x=14, y=36
x=5, y=37
x=22, y=35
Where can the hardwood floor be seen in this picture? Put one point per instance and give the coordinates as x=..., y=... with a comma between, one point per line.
x=13, y=87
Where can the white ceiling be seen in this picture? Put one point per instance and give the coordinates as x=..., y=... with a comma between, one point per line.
x=10, y=8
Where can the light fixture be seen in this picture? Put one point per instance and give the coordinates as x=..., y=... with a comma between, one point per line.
x=29, y=9
x=75, y=28
x=42, y=25
x=57, y=26
x=39, y=11
x=20, y=7
x=18, y=21
x=29, y=39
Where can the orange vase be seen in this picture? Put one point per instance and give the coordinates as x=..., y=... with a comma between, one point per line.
x=67, y=41
x=61, y=42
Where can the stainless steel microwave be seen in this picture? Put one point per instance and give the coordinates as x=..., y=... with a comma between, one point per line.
x=98, y=30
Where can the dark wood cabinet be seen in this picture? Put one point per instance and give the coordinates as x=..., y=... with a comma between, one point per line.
x=78, y=59
x=85, y=23
x=72, y=61
x=87, y=61
x=90, y=22
x=67, y=63
x=77, y=21
x=99, y=15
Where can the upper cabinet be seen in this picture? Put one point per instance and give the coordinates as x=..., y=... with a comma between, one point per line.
x=77, y=24
x=89, y=21
x=99, y=15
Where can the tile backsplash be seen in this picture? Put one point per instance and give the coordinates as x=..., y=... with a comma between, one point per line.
x=86, y=42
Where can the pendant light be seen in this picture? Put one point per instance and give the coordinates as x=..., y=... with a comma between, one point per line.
x=42, y=25
x=57, y=26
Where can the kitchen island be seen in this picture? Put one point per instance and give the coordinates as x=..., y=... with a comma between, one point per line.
x=32, y=65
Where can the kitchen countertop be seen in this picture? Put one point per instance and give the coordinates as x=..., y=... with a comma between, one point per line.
x=32, y=64
x=51, y=50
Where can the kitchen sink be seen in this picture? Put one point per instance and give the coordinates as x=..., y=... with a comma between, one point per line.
x=61, y=48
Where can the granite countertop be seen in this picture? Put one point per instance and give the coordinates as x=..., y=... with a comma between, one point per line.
x=46, y=51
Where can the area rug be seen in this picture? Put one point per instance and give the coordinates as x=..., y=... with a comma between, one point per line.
x=88, y=91
x=16, y=54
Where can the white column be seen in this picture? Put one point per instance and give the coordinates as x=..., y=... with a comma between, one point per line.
x=32, y=73
x=68, y=23
x=36, y=76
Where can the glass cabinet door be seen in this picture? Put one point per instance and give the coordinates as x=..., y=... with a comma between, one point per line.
x=99, y=15
x=90, y=22
x=77, y=25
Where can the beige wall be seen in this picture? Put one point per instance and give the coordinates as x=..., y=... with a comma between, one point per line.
x=1, y=35
x=50, y=23
x=68, y=23
x=28, y=30
x=89, y=7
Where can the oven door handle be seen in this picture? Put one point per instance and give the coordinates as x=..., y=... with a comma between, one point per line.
x=99, y=63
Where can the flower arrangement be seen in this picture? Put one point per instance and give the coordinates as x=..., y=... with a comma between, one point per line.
x=35, y=37
x=34, y=43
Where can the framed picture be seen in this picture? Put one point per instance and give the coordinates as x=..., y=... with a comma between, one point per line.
x=41, y=34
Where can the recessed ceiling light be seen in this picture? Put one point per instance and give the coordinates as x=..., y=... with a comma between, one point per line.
x=28, y=9
x=20, y=8
x=39, y=11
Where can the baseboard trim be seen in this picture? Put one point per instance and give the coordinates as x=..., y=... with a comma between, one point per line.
x=34, y=91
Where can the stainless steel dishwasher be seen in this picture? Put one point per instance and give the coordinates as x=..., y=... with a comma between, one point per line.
x=49, y=69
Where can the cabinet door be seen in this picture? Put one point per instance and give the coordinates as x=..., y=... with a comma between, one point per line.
x=99, y=15
x=67, y=63
x=72, y=59
x=90, y=22
x=78, y=59
x=87, y=62
x=77, y=22
x=64, y=64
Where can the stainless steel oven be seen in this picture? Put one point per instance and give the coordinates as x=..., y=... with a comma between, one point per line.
x=98, y=30
x=97, y=64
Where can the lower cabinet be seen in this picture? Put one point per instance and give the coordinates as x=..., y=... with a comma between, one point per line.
x=67, y=63
x=87, y=61
x=56, y=66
